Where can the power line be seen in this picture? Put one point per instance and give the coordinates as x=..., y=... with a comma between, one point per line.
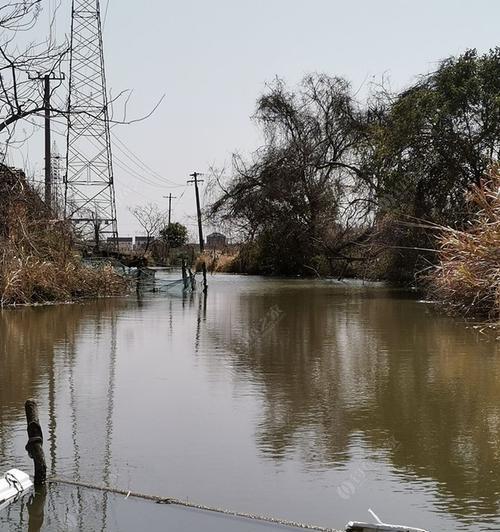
x=145, y=178
x=144, y=172
x=157, y=182
x=181, y=196
x=142, y=164
x=105, y=14
x=131, y=171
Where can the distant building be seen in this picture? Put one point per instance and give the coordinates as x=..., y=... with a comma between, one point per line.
x=142, y=241
x=124, y=243
x=216, y=241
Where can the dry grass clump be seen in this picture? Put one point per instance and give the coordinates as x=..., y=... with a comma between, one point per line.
x=29, y=279
x=38, y=263
x=467, y=278
x=217, y=260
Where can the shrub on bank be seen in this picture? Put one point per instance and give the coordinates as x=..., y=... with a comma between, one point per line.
x=467, y=278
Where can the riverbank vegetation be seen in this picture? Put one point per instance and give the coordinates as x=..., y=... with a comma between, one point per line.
x=38, y=261
x=467, y=278
x=348, y=187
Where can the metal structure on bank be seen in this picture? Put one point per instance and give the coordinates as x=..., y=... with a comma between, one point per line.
x=57, y=185
x=89, y=181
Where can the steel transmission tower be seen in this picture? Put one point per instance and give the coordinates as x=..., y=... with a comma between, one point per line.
x=89, y=184
x=57, y=203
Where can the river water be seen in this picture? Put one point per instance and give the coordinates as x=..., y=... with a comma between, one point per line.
x=308, y=400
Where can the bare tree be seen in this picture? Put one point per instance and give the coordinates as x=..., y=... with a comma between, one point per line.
x=151, y=219
x=20, y=94
x=300, y=196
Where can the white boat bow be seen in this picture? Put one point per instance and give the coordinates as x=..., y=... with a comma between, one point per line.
x=13, y=484
x=379, y=526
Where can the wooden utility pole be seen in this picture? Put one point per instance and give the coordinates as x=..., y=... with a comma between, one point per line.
x=195, y=180
x=184, y=275
x=204, y=271
x=170, y=198
x=48, y=147
x=47, y=78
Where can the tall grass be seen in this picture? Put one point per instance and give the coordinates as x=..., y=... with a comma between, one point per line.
x=467, y=278
x=38, y=262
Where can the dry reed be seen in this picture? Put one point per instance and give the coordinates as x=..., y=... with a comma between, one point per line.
x=38, y=262
x=467, y=278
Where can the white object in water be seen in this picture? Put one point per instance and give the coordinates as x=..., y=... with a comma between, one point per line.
x=356, y=526
x=12, y=485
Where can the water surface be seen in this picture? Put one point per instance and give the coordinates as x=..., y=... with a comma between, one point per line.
x=309, y=400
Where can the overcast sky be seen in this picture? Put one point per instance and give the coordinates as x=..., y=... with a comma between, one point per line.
x=212, y=59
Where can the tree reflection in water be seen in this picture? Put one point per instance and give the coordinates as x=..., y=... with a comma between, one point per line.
x=337, y=371
x=422, y=390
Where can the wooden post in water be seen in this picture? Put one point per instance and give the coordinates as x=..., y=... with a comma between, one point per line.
x=204, y=270
x=184, y=274
x=192, y=280
x=35, y=442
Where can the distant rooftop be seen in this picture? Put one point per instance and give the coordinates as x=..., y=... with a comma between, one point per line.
x=120, y=239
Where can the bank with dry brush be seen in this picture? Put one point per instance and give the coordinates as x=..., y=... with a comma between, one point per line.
x=467, y=277
x=38, y=260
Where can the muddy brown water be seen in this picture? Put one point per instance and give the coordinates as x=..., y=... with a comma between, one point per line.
x=308, y=400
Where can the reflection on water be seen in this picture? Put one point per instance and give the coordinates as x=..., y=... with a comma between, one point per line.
x=309, y=400
x=65, y=509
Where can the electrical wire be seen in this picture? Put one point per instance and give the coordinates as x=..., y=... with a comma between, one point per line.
x=144, y=172
x=123, y=165
x=141, y=163
x=105, y=14
x=149, y=176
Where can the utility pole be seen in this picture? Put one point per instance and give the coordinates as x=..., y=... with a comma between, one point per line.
x=170, y=198
x=48, y=153
x=195, y=180
x=47, y=78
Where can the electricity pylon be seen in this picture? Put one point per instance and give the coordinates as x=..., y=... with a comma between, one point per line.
x=56, y=188
x=89, y=180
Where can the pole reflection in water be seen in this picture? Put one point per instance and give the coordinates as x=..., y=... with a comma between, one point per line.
x=36, y=509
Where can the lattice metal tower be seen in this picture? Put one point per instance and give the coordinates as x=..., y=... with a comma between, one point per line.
x=57, y=201
x=89, y=183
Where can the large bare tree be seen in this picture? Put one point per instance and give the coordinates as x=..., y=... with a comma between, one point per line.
x=295, y=197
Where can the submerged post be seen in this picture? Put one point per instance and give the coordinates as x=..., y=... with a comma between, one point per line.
x=184, y=274
x=192, y=280
x=204, y=269
x=35, y=442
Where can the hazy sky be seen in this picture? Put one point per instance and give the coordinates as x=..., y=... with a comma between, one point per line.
x=213, y=58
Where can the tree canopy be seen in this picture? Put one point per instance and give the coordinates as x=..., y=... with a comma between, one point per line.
x=289, y=198
x=174, y=235
x=331, y=169
x=437, y=139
